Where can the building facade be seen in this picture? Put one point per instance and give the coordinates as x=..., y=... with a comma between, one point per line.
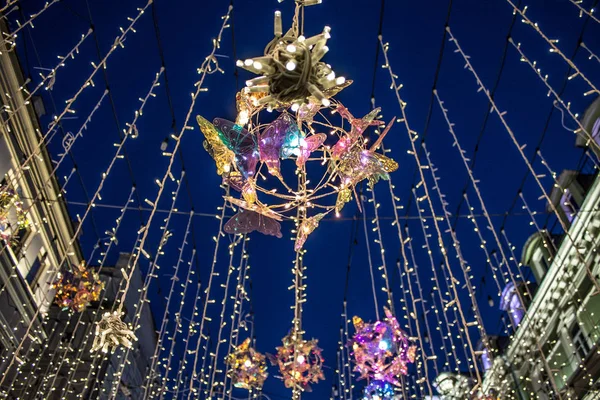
x=44, y=350
x=553, y=347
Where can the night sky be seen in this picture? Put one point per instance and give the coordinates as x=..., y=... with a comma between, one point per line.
x=420, y=55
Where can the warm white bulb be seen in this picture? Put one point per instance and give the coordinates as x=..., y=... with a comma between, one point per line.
x=301, y=38
x=291, y=65
x=326, y=102
x=249, y=83
x=331, y=76
x=248, y=62
x=247, y=363
x=291, y=48
x=239, y=63
x=295, y=107
x=257, y=65
x=340, y=80
x=300, y=359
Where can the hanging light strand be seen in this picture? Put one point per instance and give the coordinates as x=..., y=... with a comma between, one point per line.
x=152, y=370
x=413, y=137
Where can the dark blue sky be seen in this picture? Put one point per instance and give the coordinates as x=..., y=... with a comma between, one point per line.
x=414, y=30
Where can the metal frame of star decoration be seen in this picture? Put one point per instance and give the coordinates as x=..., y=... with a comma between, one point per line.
x=300, y=363
x=76, y=288
x=381, y=350
x=247, y=368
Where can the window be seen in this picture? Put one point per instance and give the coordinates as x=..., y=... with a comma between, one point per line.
x=567, y=203
x=580, y=342
x=596, y=131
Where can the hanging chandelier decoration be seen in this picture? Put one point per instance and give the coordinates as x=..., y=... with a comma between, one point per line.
x=378, y=390
x=381, y=350
x=247, y=367
x=251, y=155
x=300, y=362
x=12, y=214
x=77, y=288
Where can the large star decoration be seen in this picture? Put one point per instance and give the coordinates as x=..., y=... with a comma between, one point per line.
x=300, y=362
x=247, y=367
x=381, y=350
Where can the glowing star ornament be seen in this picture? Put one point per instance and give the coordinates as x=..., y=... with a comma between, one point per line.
x=381, y=350
x=300, y=362
x=247, y=367
x=76, y=289
x=12, y=215
x=112, y=332
x=306, y=228
x=378, y=390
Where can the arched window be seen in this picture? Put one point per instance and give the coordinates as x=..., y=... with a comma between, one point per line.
x=511, y=303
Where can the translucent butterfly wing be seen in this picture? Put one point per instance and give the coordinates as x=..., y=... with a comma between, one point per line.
x=246, y=221
x=270, y=143
x=214, y=146
x=242, y=143
x=310, y=144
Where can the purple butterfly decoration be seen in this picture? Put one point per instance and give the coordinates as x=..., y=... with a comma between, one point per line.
x=271, y=141
x=247, y=221
x=310, y=144
x=242, y=143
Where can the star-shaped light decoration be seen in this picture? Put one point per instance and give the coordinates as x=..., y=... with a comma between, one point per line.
x=378, y=390
x=300, y=362
x=12, y=215
x=381, y=350
x=112, y=332
x=77, y=288
x=291, y=71
x=247, y=367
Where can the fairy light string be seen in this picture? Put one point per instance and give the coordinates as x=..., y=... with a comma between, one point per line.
x=64, y=358
x=554, y=48
x=11, y=38
x=583, y=11
x=236, y=316
x=466, y=269
x=154, y=364
x=413, y=136
x=591, y=54
x=52, y=127
x=82, y=219
x=48, y=79
x=520, y=148
x=135, y=262
x=213, y=368
x=566, y=107
x=207, y=301
x=177, y=328
x=414, y=271
x=444, y=305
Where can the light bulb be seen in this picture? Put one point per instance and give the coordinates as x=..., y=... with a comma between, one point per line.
x=301, y=38
x=331, y=76
x=291, y=65
x=248, y=62
x=247, y=363
x=257, y=65
x=291, y=48
x=325, y=102
x=295, y=107
x=300, y=359
x=340, y=80
x=383, y=345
